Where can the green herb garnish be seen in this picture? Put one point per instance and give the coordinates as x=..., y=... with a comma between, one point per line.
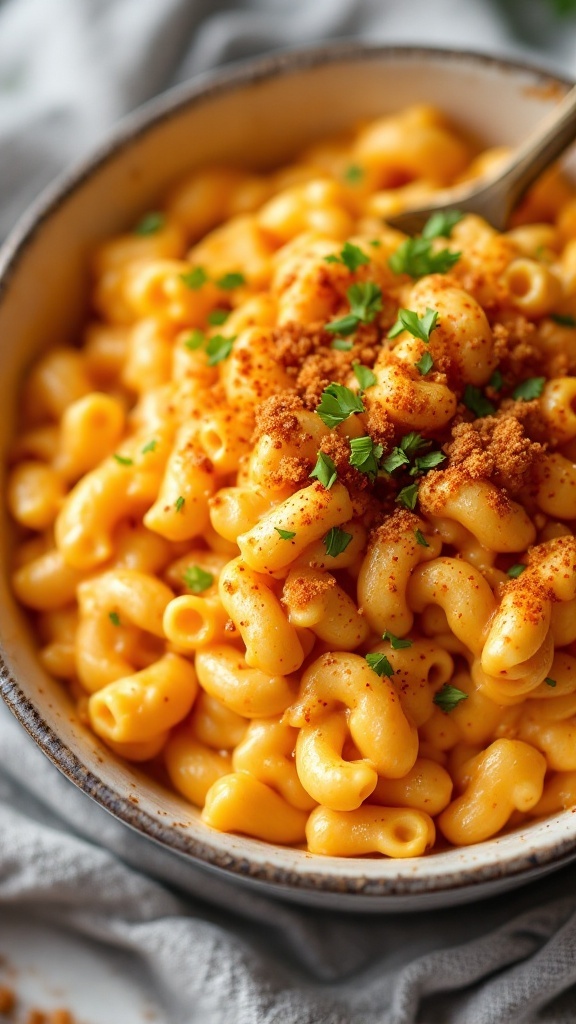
x=325, y=471
x=149, y=447
x=195, y=339
x=285, y=534
x=516, y=570
x=219, y=348
x=195, y=278
x=353, y=174
x=397, y=643
x=229, y=281
x=549, y=681
x=336, y=541
x=150, y=224
x=408, y=497
x=529, y=389
x=123, y=459
x=114, y=618
x=418, y=326
x=414, y=257
x=476, y=401
x=179, y=503
x=196, y=579
x=365, y=377
x=364, y=454
x=424, y=364
x=216, y=317
x=421, y=539
x=341, y=345
x=337, y=403
x=449, y=698
x=440, y=224
x=380, y=665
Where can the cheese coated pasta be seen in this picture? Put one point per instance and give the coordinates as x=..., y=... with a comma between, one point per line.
x=296, y=518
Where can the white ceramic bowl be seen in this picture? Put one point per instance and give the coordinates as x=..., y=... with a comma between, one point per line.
x=257, y=116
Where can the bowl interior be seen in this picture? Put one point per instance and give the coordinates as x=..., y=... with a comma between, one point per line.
x=257, y=118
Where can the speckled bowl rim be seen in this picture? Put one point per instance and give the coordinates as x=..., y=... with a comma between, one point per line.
x=208, y=85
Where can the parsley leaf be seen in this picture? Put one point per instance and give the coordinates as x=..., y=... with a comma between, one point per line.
x=353, y=174
x=179, y=503
x=365, y=300
x=413, y=443
x=549, y=681
x=396, y=642
x=114, y=618
x=195, y=278
x=516, y=570
x=564, y=319
x=496, y=381
x=336, y=541
x=219, y=348
x=425, y=462
x=375, y=242
x=528, y=389
x=365, y=377
x=414, y=257
x=341, y=345
x=285, y=534
x=448, y=698
x=396, y=459
x=123, y=459
x=364, y=454
x=424, y=364
x=196, y=579
x=337, y=403
x=149, y=447
x=345, y=325
x=380, y=665
x=351, y=256
x=418, y=326
x=150, y=224
x=421, y=539
x=477, y=402
x=216, y=317
x=325, y=471
x=408, y=497
x=229, y=281
x=440, y=224
x=195, y=340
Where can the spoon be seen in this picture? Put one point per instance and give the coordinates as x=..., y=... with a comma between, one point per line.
x=494, y=198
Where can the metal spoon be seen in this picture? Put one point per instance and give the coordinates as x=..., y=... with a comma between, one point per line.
x=495, y=198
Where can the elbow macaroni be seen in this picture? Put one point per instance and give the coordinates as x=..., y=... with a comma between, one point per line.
x=297, y=521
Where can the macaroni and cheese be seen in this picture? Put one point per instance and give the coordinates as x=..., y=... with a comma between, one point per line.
x=297, y=518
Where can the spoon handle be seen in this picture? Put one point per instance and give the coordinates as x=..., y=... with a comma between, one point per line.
x=547, y=142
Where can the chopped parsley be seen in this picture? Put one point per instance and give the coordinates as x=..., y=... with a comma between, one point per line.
x=380, y=665
x=229, y=281
x=529, y=389
x=353, y=174
x=474, y=399
x=496, y=381
x=195, y=278
x=337, y=403
x=345, y=325
x=421, y=539
x=365, y=300
x=285, y=534
x=424, y=364
x=418, y=326
x=397, y=643
x=150, y=224
x=325, y=471
x=342, y=345
x=123, y=459
x=196, y=579
x=336, y=541
x=150, y=447
x=114, y=618
x=196, y=339
x=216, y=317
x=408, y=497
x=219, y=348
x=440, y=224
x=375, y=242
x=423, y=463
x=409, y=447
x=414, y=257
x=516, y=570
x=449, y=698
x=179, y=503
x=564, y=319
x=365, y=377
x=351, y=256
x=364, y=454
x=549, y=681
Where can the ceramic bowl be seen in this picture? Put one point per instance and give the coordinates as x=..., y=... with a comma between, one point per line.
x=258, y=116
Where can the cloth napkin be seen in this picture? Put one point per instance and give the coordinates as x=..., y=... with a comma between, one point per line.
x=207, y=951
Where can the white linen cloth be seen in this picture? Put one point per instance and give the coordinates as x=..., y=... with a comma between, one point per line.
x=211, y=952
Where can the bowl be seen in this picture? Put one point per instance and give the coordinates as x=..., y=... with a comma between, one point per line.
x=257, y=116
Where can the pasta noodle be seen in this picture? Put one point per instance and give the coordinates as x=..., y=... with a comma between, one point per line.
x=298, y=518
